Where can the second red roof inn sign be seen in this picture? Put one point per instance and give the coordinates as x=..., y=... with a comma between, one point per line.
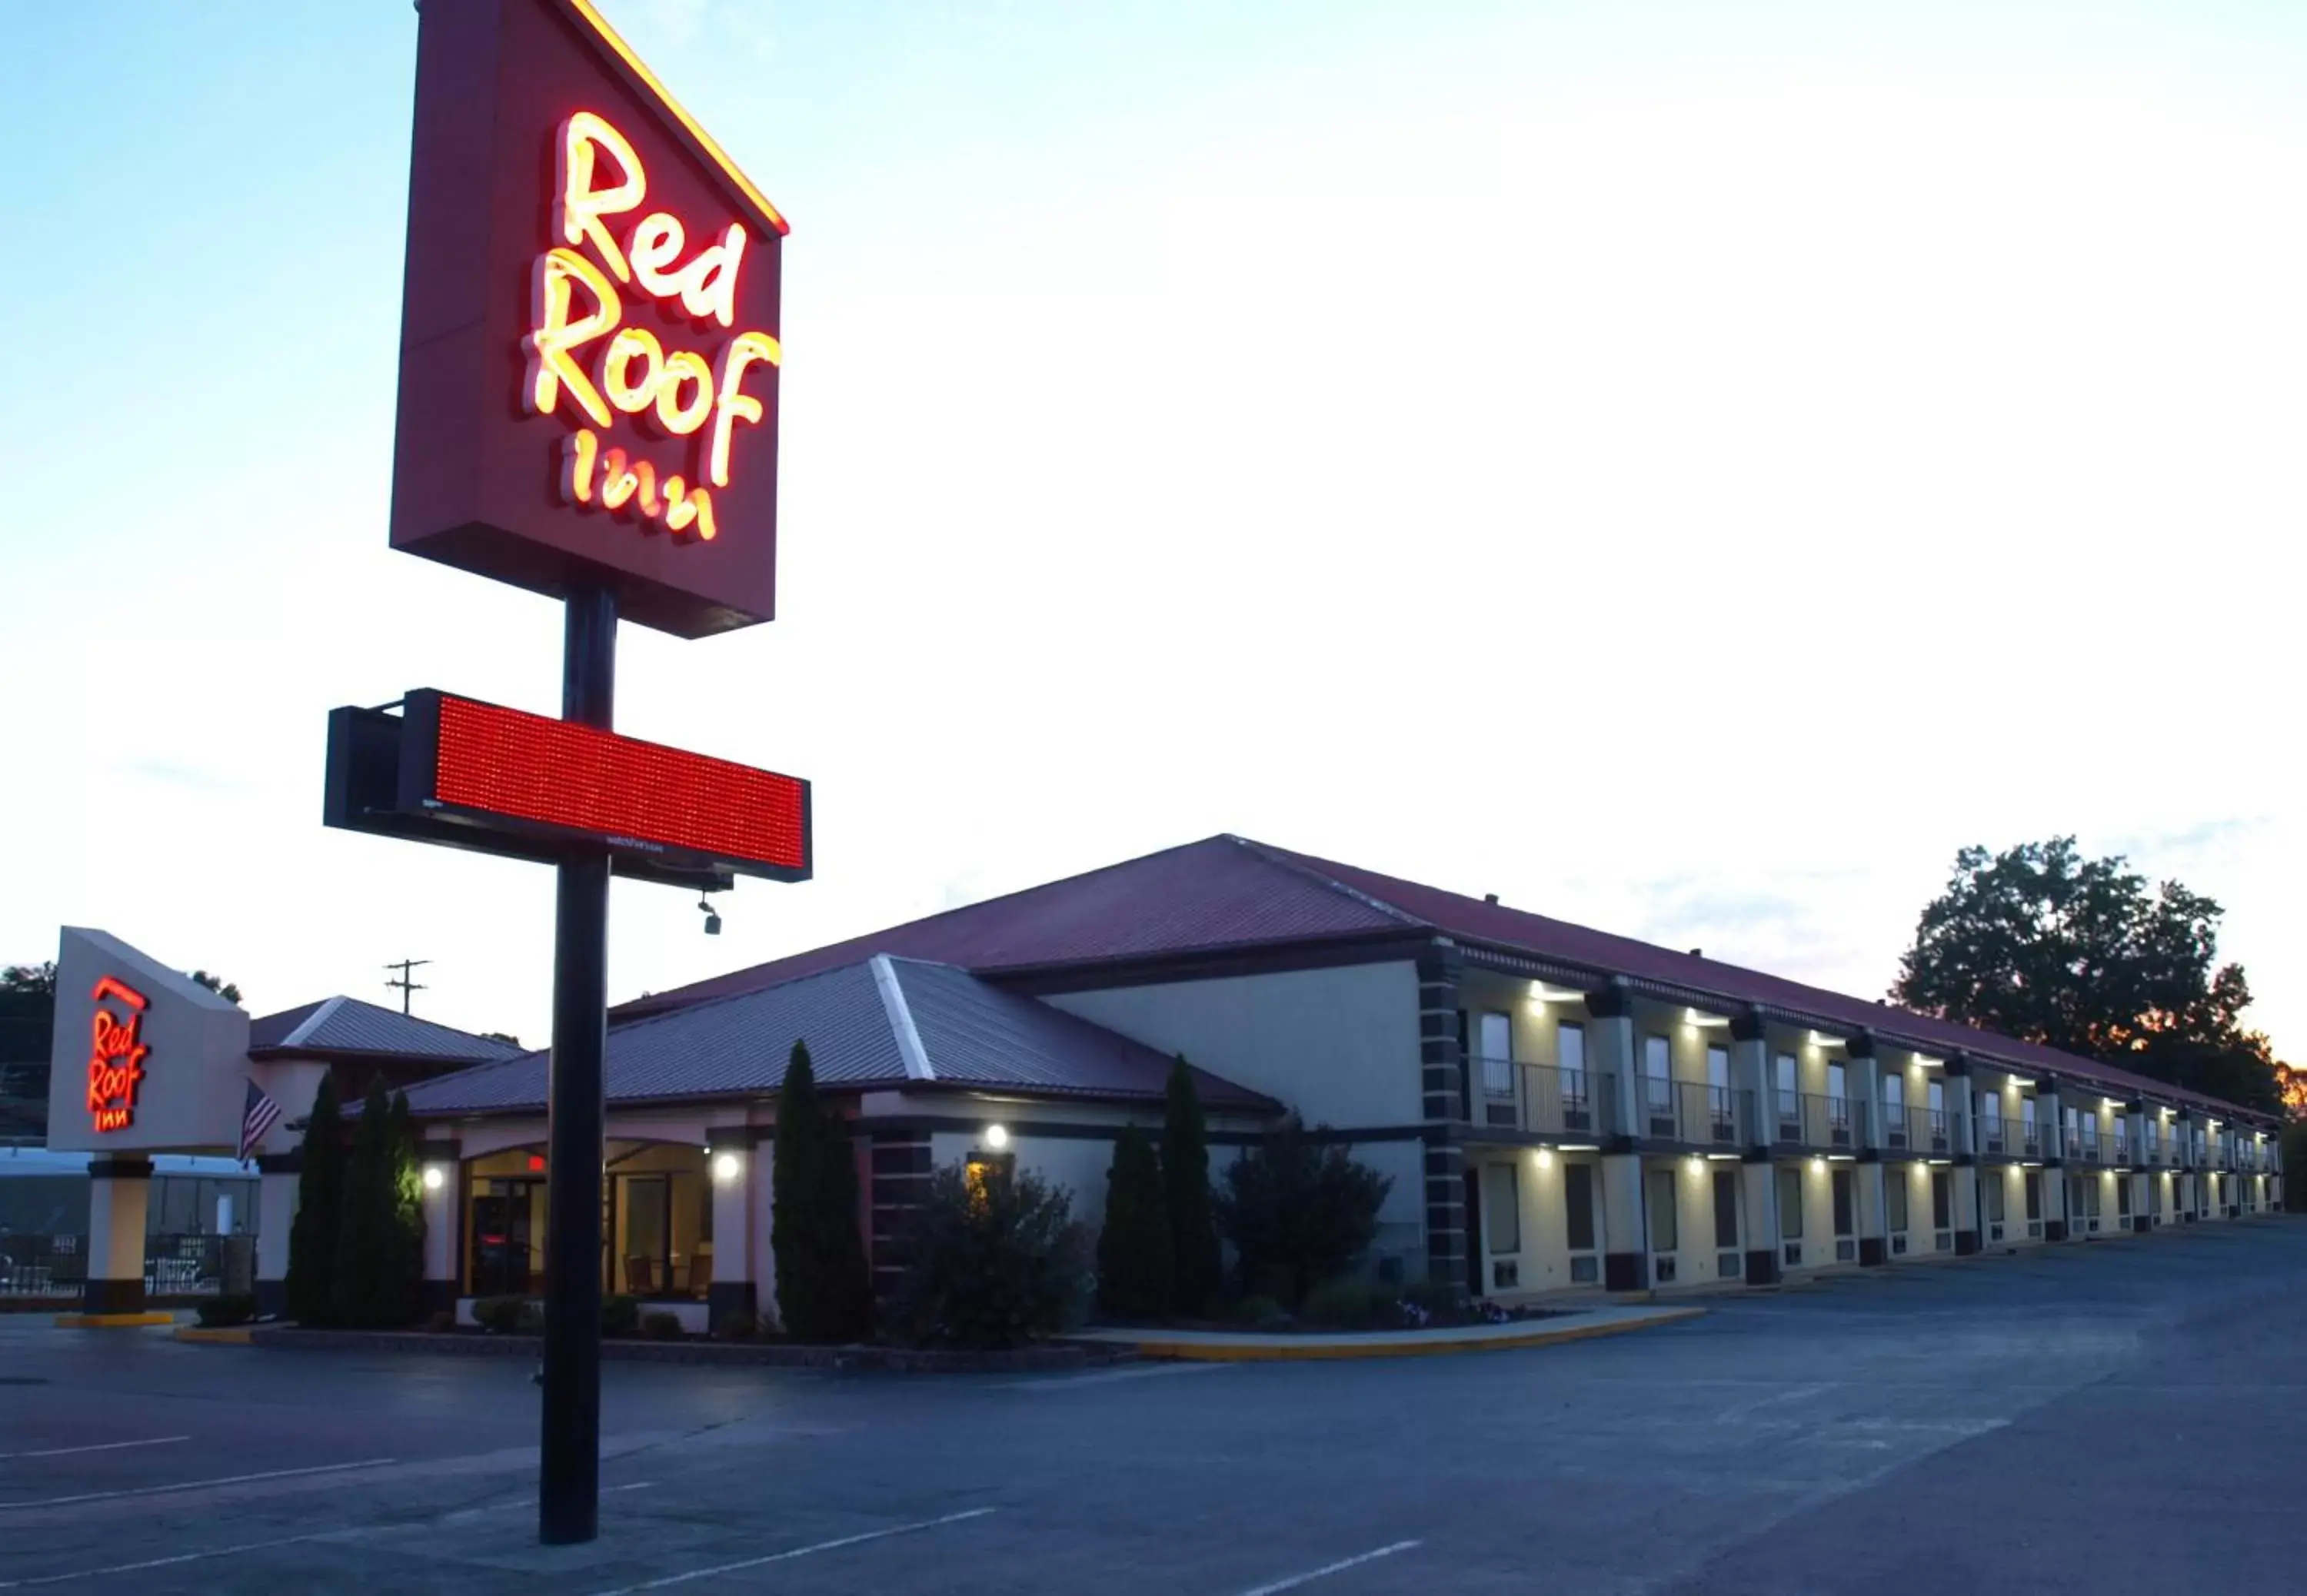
x=588, y=409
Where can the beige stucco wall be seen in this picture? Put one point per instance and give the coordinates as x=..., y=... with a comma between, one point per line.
x=1543, y=1258
x=1338, y=1045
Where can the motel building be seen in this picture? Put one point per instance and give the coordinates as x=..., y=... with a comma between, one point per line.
x=1560, y=1110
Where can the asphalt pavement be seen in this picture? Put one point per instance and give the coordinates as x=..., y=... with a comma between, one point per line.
x=2110, y=1417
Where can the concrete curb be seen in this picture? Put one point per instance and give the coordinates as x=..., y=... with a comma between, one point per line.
x=112, y=1321
x=216, y=1335
x=1417, y=1344
x=1052, y=1358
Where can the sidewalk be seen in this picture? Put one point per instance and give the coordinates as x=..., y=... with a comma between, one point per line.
x=1243, y=1345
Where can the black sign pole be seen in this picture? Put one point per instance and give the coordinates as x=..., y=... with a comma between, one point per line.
x=569, y=1493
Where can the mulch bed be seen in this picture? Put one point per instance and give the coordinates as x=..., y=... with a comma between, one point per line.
x=1049, y=1357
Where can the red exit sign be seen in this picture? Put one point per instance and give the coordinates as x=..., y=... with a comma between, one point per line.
x=468, y=774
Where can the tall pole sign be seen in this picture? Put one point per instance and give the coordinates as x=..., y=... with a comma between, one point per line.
x=588, y=409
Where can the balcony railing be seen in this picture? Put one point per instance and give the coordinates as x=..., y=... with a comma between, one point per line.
x=1918, y=1130
x=1813, y=1120
x=2009, y=1139
x=1690, y=1111
x=1544, y=1100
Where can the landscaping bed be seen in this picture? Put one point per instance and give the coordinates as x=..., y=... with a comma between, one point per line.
x=1044, y=1358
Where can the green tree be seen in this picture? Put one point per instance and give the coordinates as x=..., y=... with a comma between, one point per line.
x=1135, y=1269
x=373, y=1285
x=1299, y=1211
x=1186, y=1183
x=823, y=1290
x=2295, y=1167
x=2080, y=954
x=408, y=1209
x=312, y=1286
x=991, y=1262
x=216, y=984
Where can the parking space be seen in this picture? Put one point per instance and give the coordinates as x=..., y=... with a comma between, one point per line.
x=2000, y=1424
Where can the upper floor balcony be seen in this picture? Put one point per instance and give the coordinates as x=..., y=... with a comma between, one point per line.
x=1540, y=1099
x=2010, y=1139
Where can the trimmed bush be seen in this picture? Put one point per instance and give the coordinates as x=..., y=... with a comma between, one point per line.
x=1343, y=1304
x=658, y=1325
x=234, y=1308
x=995, y=1262
x=1134, y=1263
x=823, y=1289
x=737, y=1325
x=443, y=1321
x=1263, y=1312
x=1299, y=1211
x=1197, y=1269
x=312, y=1285
x=621, y=1315
x=2294, y=1168
x=501, y=1315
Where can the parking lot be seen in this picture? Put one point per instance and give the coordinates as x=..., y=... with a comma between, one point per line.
x=2112, y=1417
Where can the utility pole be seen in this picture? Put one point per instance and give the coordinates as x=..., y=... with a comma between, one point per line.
x=405, y=986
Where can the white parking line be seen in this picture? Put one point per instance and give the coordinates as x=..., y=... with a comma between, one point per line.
x=156, y=1490
x=803, y=1551
x=1326, y=1569
x=348, y=1533
x=157, y=1440
x=1104, y=1377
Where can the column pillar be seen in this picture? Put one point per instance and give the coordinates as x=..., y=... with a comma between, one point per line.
x=119, y=1192
x=729, y=1167
x=2182, y=1184
x=2134, y=1114
x=1750, y=1072
x=1441, y=1067
x=277, y=1175
x=2054, y=1113
x=760, y=1216
x=1864, y=1079
x=441, y=1192
x=1625, y=1240
x=1610, y=1049
x=1955, y=1084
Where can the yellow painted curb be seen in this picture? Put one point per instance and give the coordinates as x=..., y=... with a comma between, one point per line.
x=111, y=1321
x=1280, y=1349
x=215, y=1335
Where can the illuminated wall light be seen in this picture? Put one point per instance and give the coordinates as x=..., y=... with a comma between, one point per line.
x=1582, y=1146
x=1545, y=1156
x=726, y=1167
x=997, y=1137
x=1818, y=1166
x=435, y=1177
x=1722, y=1157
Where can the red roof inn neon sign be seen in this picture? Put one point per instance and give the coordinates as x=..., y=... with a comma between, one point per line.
x=632, y=372
x=590, y=326
x=115, y=1056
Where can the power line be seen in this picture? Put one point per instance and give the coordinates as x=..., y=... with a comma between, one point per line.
x=405, y=985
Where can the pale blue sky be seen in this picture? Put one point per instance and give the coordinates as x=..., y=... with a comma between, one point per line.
x=1688, y=468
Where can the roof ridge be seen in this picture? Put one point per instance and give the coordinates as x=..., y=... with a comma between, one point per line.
x=322, y=1011
x=1282, y=858
x=915, y=1057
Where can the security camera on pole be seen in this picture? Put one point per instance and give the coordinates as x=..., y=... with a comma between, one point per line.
x=587, y=410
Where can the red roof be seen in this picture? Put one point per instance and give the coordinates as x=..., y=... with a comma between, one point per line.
x=1228, y=892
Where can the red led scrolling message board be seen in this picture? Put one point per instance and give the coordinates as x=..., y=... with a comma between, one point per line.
x=499, y=765
x=116, y=1055
x=590, y=339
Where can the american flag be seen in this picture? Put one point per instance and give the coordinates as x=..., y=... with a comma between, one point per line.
x=256, y=1119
